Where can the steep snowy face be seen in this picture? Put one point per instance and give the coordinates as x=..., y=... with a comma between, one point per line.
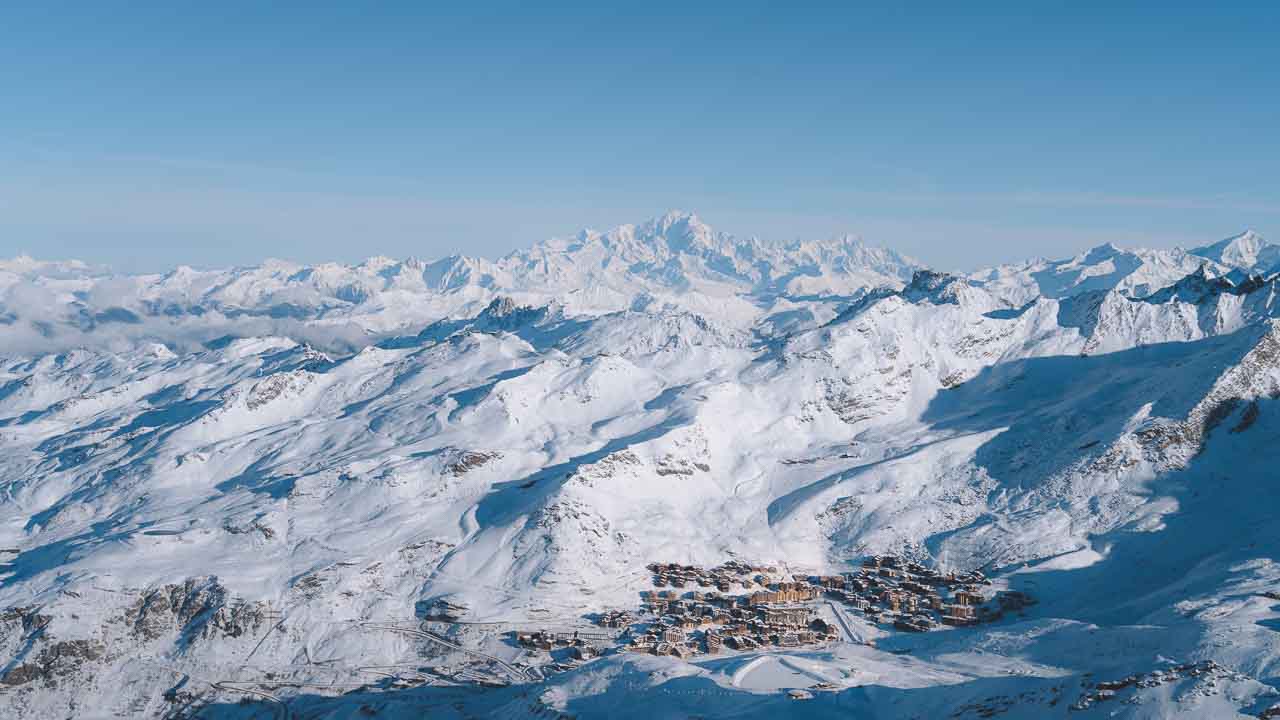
x=1195, y=307
x=1247, y=251
x=510, y=443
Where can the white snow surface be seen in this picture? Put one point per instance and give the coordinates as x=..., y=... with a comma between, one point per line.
x=227, y=485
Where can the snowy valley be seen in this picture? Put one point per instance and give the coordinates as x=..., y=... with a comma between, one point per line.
x=333, y=491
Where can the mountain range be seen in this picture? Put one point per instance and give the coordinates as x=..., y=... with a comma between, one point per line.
x=334, y=491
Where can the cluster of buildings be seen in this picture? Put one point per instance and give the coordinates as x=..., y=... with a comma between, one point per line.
x=735, y=605
x=616, y=619
x=692, y=623
x=1108, y=689
x=582, y=645
x=724, y=578
x=912, y=597
x=744, y=607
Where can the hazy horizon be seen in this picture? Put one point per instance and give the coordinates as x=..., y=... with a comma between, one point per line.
x=220, y=136
x=1132, y=242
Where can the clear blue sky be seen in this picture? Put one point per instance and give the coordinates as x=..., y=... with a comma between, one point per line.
x=144, y=135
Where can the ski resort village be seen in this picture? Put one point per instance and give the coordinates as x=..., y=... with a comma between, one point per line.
x=738, y=606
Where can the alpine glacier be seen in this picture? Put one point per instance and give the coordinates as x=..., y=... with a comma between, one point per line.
x=339, y=491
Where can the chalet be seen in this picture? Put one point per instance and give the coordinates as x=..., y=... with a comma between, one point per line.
x=537, y=640
x=786, y=616
x=617, y=619
x=854, y=601
x=831, y=582
x=715, y=643
x=785, y=593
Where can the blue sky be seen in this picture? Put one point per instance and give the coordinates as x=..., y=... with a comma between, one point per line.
x=147, y=135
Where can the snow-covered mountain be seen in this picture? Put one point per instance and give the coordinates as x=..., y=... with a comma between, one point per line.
x=675, y=261
x=292, y=491
x=1246, y=251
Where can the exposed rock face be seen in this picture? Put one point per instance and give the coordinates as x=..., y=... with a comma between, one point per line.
x=194, y=610
x=54, y=662
x=466, y=461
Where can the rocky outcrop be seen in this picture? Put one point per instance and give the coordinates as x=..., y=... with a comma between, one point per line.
x=53, y=662
x=193, y=610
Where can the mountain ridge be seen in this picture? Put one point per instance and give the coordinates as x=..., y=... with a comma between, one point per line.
x=282, y=520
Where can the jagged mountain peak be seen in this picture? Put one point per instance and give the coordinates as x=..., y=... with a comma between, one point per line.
x=1245, y=251
x=1100, y=253
x=1133, y=272
x=929, y=282
x=678, y=223
x=505, y=312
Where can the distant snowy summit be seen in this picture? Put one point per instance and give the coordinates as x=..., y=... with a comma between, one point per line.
x=674, y=261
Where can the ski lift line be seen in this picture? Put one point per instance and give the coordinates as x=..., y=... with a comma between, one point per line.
x=843, y=624
x=263, y=639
